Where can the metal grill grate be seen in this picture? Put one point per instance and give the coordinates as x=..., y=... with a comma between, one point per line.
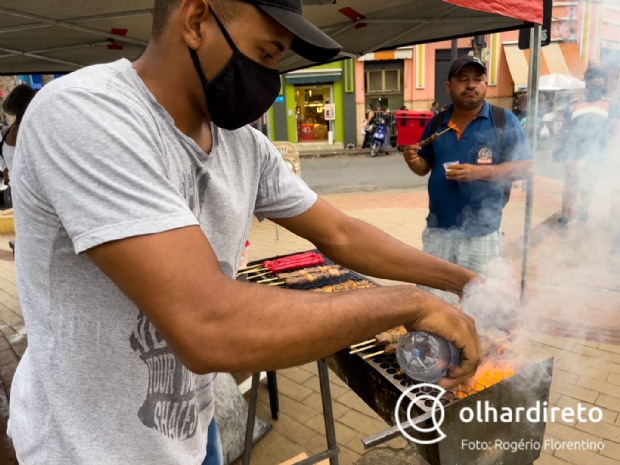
x=351, y=275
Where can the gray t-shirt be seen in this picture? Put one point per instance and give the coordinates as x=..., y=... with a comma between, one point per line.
x=98, y=159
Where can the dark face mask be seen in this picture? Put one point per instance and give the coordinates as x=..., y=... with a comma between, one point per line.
x=594, y=94
x=242, y=92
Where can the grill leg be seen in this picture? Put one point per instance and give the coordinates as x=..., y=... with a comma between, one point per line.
x=249, y=429
x=274, y=401
x=328, y=413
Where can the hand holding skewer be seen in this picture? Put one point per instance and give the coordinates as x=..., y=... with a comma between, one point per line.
x=411, y=151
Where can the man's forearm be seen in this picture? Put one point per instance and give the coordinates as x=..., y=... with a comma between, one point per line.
x=269, y=328
x=508, y=171
x=370, y=251
x=418, y=168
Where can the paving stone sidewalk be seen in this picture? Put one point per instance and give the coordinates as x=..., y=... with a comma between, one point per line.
x=586, y=371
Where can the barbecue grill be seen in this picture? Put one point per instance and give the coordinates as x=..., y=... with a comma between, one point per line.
x=380, y=383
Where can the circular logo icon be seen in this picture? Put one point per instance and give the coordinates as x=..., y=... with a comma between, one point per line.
x=437, y=407
x=485, y=154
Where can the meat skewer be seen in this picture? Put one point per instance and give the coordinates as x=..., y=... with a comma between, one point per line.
x=390, y=349
x=432, y=139
x=311, y=277
x=348, y=286
x=292, y=262
x=386, y=338
x=308, y=270
x=333, y=271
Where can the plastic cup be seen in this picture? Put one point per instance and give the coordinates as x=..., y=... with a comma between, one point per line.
x=447, y=164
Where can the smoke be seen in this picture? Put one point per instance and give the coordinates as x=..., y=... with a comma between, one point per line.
x=493, y=303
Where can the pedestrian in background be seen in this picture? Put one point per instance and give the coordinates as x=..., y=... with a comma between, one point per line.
x=435, y=107
x=368, y=126
x=471, y=168
x=15, y=104
x=583, y=144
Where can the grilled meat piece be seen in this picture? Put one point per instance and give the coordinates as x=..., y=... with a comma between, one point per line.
x=305, y=271
x=311, y=277
x=347, y=286
x=390, y=336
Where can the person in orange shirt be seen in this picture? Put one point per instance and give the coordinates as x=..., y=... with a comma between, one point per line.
x=583, y=144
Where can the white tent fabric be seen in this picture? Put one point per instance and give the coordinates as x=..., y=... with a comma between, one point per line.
x=552, y=82
x=54, y=36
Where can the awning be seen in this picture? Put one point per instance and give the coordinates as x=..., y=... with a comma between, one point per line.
x=398, y=54
x=556, y=58
x=55, y=36
x=313, y=76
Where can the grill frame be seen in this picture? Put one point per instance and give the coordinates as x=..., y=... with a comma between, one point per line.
x=380, y=392
x=379, y=389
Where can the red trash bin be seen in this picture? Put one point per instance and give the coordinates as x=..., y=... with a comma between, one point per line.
x=410, y=125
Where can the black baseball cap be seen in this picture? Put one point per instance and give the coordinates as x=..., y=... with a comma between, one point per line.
x=309, y=42
x=458, y=64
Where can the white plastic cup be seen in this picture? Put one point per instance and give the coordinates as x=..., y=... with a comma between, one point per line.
x=447, y=164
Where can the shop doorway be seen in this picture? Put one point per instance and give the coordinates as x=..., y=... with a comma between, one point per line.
x=310, y=112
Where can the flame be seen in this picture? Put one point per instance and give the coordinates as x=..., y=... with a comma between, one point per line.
x=491, y=372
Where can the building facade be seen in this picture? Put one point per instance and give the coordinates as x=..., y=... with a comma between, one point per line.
x=582, y=32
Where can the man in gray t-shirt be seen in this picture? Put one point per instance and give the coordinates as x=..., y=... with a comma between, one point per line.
x=135, y=184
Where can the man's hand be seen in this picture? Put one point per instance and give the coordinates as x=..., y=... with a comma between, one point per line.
x=454, y=326
x=465, y=173
x=416, y=164
x=411, y=153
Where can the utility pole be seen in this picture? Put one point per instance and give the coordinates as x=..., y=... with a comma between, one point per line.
x=454, y=50
x=477, y=44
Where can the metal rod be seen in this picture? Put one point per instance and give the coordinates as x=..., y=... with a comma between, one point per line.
x=397, y=37
x=393, y=432
x=274, y=400
x=55, y=22
x=454, y=50
x=249, y=427
x=61, y=49
x=531, y=133
x=82, y=19
x=40, y=57
x=328, y=413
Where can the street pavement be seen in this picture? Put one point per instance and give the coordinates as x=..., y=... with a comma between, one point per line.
x=572, y=314
x=351, y=171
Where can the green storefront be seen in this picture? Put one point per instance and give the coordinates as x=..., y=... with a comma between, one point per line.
x=298, y=114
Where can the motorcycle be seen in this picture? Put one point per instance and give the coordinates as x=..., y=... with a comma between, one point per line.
x=378, y=137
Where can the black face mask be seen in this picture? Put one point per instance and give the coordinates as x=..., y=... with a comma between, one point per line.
x=242, y=92
x=593, y=94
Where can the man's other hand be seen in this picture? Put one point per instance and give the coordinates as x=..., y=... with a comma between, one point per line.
x=445, y=321
x=465, y=173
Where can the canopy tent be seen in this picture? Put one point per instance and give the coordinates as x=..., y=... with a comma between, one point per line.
x=56, y=36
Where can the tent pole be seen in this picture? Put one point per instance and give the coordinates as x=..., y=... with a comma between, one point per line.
x=531, y=133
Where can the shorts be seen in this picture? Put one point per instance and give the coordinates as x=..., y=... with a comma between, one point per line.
x=474, y=253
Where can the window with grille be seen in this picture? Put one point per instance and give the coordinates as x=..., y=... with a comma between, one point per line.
x=384, y=80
